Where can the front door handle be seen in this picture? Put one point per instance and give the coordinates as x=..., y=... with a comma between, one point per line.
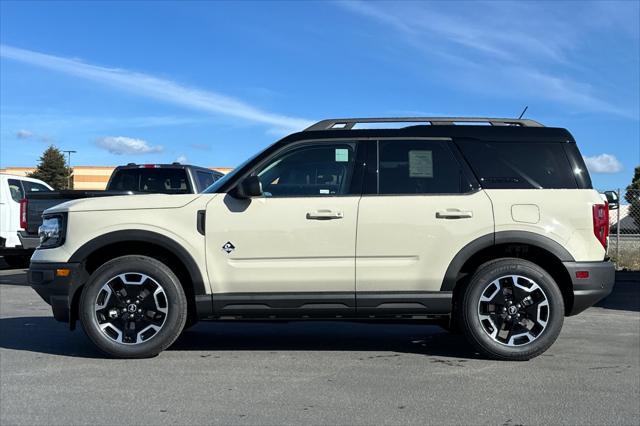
x=453, y=214
x=323, y=214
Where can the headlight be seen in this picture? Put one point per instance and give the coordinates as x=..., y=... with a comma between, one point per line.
x=52, y=231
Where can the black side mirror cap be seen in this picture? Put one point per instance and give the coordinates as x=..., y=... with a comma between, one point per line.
x=249, y=187
x=612, y=199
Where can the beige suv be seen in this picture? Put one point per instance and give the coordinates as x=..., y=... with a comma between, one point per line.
x=486, y=225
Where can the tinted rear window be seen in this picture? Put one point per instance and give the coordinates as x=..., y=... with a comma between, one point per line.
x=519, y=165
x=205, y=179
x=162, y=181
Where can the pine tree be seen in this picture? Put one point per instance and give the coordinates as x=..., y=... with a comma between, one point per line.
x=53, y=169
x=633, y=197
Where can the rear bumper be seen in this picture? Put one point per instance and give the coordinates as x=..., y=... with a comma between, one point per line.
x=589, y=291
x=57, y=291
x=28, y=241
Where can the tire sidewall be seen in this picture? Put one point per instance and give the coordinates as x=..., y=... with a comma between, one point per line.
x=487, y=274
x=176, y=302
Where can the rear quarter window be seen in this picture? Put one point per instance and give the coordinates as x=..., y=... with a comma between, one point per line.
x=205, y=179
x=152, y=180
x=519, y=165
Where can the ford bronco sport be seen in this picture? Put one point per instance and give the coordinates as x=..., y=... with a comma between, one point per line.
x=489, y=226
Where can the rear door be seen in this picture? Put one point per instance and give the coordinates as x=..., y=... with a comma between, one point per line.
x=418, y=211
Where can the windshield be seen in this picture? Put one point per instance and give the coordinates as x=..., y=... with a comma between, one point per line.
x=217, y=184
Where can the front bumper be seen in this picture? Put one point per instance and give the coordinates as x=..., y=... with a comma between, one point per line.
x=58, y=291
x=589, y=291
x=28, y=241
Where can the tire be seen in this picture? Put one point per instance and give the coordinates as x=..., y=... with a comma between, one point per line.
x=17, y=261
x=143, y=320
x=511, y=322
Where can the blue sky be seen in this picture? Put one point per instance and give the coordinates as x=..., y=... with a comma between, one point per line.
x=213, y=82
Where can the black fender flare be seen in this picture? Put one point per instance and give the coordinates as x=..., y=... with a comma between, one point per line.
x=501, y=237
x=138, y=235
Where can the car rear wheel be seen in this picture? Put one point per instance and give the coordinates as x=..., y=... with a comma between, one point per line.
x=133, y=307
x=512, y=309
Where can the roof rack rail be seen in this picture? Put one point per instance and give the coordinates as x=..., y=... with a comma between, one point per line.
x=349, y=123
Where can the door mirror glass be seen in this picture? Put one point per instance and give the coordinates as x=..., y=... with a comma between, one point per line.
x=612, y=199
x=249, y=187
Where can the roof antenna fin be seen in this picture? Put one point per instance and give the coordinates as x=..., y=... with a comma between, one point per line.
x=523, y=111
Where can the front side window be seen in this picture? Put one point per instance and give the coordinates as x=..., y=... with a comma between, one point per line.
x=311, y=170
x=15, y=188
x=417, y=167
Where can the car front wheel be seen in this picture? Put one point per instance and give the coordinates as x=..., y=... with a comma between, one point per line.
x=133, y=307
x=512, y=309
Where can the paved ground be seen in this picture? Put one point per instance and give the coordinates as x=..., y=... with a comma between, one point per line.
x=319, y=373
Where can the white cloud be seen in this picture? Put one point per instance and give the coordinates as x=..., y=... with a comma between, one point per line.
x=120, y=145
x=24, y=134
x=155, y=87
x=603, y=163
x=182, y=159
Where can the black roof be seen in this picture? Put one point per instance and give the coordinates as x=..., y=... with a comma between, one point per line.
x=167, y=166
x=482, y=132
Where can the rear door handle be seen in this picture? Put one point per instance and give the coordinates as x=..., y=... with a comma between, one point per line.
x=323, y=214
x=453, y=214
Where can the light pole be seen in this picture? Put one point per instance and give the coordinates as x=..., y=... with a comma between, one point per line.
x=69, y=154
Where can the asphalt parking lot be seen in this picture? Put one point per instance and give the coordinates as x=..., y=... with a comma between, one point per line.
x=318, y=373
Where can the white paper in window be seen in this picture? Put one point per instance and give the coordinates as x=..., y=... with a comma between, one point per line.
x=342, y=155
x=421, y=164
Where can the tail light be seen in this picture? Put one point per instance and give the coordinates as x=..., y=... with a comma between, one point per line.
x=23, y=213
x=601, y=223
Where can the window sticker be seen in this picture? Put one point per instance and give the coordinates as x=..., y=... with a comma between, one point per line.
x=342, y=155
x=421, y=164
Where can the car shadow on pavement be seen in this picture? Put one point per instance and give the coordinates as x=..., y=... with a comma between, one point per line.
x=625, y=297
x=324, y=336
x=45, y=335
x=15, y=277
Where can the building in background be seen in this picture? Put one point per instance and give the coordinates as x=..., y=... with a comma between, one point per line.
x=87, y=177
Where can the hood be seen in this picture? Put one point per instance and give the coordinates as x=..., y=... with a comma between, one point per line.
x=125, y=202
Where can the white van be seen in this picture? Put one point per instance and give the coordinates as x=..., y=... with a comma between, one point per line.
x=12, y=190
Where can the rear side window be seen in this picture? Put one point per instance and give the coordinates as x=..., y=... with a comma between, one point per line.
x=418, y=167
x=519, y=165
x=162, y=181
x=15, y=188
x=34, y=187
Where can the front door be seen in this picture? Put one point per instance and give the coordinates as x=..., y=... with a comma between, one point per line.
x=292, y=250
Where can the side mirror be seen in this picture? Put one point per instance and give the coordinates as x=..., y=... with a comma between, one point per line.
x=612, y=199
x=249, y=187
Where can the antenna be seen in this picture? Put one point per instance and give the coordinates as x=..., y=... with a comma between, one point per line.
x=523, y=111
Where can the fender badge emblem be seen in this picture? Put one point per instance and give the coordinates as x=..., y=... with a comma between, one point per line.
x=228, y=247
